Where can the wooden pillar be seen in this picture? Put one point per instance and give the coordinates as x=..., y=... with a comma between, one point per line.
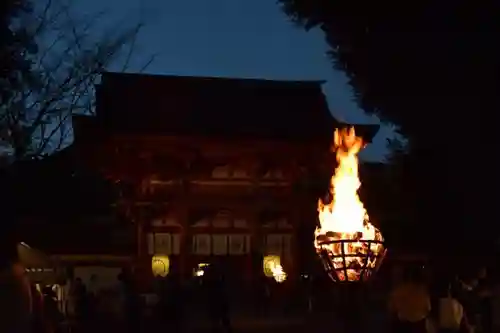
x=251, y=223
x=183, y=219
x=294, y=248
x=188, y=159
x=142, y=262
x=254, y=223
x=140, y=237
x=138, y=264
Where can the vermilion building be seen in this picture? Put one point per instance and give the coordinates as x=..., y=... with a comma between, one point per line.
x=211, y=167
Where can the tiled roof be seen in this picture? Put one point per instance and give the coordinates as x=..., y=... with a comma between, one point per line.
x=215, y=107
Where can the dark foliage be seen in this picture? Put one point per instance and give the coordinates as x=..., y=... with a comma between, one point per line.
x=16, y=47
x=15, y=44
x=431, y=69
x=49, y=61
x=46, y=191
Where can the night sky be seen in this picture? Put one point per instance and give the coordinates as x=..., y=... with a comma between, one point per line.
x=234, y=38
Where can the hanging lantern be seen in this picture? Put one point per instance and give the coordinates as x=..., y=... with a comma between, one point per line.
x=160, y=265
x=269, y=263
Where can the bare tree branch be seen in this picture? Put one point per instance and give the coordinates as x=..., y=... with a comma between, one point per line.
x=130, y=51
x=61, y=78
x=147, y=63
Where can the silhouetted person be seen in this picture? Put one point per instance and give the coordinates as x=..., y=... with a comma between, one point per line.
x=161, y=306
x=79, y=292
x=495, y=304
x=262, y=295
x=216, y=299
x=53, y=317
x=37, y=310
x=93, y=300
x=451, y=317
x=410, y=304
x=484, y=294
x=131, y=302
x=15, y=293
x=172, y=303
x=466, y=294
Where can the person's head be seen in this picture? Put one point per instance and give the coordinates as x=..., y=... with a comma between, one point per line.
x=49, y=292
x=412, y=274
x=470, y=281
x=445, y=290
x=482, y=273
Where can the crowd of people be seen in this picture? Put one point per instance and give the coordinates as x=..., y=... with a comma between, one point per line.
x=28, y=308
x=207, y=293
x=453, y=304
x=415, y=303
x=90, y=308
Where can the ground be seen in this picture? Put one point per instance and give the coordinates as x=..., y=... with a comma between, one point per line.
x=315, y=323
x=289, y=316
x=309, y=323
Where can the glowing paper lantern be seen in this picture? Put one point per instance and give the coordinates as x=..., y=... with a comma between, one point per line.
x=160, y=265
x=269, y=263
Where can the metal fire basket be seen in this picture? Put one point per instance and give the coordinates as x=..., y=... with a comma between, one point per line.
x=343, y=266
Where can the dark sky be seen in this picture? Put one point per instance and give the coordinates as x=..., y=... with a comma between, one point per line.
x=235, y=38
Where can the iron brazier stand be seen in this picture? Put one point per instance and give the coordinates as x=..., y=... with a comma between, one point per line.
x=350, y=263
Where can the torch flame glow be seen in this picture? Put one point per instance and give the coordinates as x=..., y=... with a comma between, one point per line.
x=272, y=268
x=345, y=217
x=278, y=273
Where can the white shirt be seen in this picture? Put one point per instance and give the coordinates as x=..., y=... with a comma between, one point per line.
x=410, y=302
x=450, y=313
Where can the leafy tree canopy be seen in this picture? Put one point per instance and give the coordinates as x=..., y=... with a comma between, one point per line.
x=431, y=69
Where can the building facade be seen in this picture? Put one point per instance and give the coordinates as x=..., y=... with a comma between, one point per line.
x=211, y=168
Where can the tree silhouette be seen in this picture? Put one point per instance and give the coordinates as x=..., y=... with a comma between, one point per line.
x=430, y=69
x=50, y=62
x=50, y=58
x=15, y=45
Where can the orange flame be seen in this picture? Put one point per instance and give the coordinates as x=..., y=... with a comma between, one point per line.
x=345, y=217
